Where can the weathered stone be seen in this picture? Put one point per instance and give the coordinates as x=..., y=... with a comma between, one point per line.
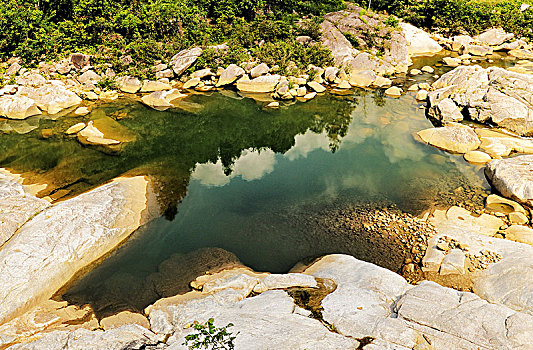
x=453, y=263
x=494, y=37
x=419, y=42
x=89, y=77
x=394, y=91
x=230, y=75
x=167, y=73
x=428, y=69
x=162, y=99
x=513, y=177
x=451, y=61
x=264, y=84
x=56, y=243
x=131, y=336
x=16, y=205
x=316, y=86
x=454, y=138
x=519, y=233
x=518, y=218
x=344, y=85
x=18, y=107
x=259, y=70
x=82, y=111
x=522, y=54
x=13, y=69
x=124, y=318
x=128, y=84
x=362, y=78
x=381, y=82
x=422, y=95
x=184, y=59
x=51, y=98
x=80, y=60
x=476, y=50
x=31, y=80
x=495, y=203
x=446, y=111
x=150, y=86
x=276, y=281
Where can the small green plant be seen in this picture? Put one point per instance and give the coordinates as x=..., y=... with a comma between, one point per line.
x=392, y=21
x=209, y=337
x=352, y=39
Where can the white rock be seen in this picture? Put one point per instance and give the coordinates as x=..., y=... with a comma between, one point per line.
x=280, y=281
x=55, y=244
x=419, y=42
x=261, y=84
x=453, y=263
x=259, y=70
x=51, y=98
x=230, y=75
x=18, y=107
x=82, y=111
x=128, y=84
x=184, y=59
x=454, y=138
x=150, y=86
x=394, y=91
x=74, y=129
x=316, y=86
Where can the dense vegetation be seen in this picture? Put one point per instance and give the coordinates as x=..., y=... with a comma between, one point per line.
x=154, y=29
x=458, y=16
x=148, y=30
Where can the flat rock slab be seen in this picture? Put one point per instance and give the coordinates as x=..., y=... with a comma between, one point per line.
x=513, y=177
x=454, y=138
x=54, y=245
x=16, y=206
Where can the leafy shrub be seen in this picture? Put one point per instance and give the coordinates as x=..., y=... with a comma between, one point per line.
x=209, y=337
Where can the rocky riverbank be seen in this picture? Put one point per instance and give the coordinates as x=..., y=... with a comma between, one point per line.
x=336, y=302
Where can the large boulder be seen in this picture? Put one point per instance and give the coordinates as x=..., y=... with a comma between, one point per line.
x=455, y=138
x=184, y=59
x=162, y=99
x=51, y=98
x=17, y=107
x=89, y=77
x=419, y=42
x=265, y=83
x=494, y=37
x=513, y=177
x=494, y=95
x=342, y=29
x=80, y=60
x=230, y=75
x=128, y=84
x=446, y=111
x=54, y=245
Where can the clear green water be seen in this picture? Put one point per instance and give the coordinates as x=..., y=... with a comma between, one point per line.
x=258, y=183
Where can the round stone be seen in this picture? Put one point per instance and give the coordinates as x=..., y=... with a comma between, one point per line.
x=477, y=157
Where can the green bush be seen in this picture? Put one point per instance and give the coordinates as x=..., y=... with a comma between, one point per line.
x=456, y=16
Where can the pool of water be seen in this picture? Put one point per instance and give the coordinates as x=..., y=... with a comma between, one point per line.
x=230, y=174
